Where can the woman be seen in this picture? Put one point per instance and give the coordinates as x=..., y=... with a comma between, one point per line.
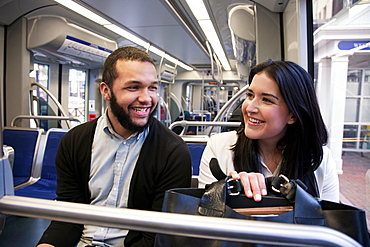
x=282, y=132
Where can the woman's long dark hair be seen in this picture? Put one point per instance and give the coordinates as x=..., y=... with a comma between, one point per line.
x=303, y=141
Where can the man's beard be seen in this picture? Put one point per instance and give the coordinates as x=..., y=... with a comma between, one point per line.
x=124, y=119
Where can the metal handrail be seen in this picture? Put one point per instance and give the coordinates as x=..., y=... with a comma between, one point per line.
x=246, y=231
x=19, y=117
x=185, y=124
x=178, y=102
x=60, y=107
x=229, y=103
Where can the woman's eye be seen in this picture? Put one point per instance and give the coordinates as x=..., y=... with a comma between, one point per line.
x=267, y=100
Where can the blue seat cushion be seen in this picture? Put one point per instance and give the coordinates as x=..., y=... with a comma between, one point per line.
x=196, y=152
x=42, y=189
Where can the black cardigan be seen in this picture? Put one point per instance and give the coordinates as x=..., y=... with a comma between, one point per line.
x=164, y=163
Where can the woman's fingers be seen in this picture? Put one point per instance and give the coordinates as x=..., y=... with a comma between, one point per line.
x=253, y=183
x=234, y=175
x=246, y=182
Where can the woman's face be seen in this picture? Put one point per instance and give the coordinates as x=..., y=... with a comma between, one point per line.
x=265, y=112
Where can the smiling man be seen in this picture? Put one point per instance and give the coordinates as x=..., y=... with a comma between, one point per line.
x=125, y=159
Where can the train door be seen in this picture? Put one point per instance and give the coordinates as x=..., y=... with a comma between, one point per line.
x=64, y=84
x=74, y=93
x=209, y=97
x=40, y=99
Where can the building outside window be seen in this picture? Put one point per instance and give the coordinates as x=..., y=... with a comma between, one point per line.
x=342, y=59
x=76, y=99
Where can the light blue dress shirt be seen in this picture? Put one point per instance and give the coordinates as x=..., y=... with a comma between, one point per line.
x=112, y=164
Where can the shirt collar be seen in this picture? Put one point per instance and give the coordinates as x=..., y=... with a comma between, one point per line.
x=266, y=170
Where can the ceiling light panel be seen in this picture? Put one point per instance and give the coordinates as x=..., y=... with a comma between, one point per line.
x=199, y=10
x=118, y=30
x=83, y=11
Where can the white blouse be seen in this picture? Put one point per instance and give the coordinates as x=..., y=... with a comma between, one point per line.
x=219, y=147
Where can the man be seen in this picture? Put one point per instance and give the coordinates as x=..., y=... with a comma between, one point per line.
x=126, y=158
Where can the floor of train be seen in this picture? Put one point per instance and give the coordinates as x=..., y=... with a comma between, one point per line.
x=354, y=186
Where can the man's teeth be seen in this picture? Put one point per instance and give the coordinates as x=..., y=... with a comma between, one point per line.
x=255, y=120
x=140, y=109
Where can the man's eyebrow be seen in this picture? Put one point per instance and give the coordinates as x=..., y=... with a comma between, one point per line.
x=139, y=82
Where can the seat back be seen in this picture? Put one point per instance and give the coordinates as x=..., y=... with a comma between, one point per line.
x=53, y=137
x=196, y=145
x=25, y=142
x=45, y=187
x=196, y=152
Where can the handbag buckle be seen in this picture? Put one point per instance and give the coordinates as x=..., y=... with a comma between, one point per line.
x=281, y=182
x=233, y=187
x=287, y=187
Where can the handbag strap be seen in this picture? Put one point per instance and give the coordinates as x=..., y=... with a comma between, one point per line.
x=216, y=170
x=234, y=187
x=307, y=210
x=213, y=201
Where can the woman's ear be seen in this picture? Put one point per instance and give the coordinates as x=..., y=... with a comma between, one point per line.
x=105, y=91
x=292, y=119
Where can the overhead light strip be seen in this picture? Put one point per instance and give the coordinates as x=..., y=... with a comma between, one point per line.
x=83, y=11
x=120, y=31
x=200, y=12
x=127, y=35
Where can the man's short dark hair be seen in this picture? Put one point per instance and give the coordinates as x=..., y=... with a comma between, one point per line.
x=123, y=53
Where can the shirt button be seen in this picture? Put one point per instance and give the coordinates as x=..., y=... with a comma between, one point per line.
x=114, y=188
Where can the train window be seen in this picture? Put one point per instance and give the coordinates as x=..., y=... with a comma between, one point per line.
x=341, y=56
x=351, y=112
x=366, y=89
x=357, y=97
x=365, y=113
x=354, y=79
x=40, y=74
x=76, y=100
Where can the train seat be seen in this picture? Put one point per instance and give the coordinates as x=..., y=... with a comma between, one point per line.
x=45, y=187
x=196, y=145
x=201, y=118
x=25, y=142
x=196, y=151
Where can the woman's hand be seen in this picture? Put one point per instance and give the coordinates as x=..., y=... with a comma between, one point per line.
x=253, y=183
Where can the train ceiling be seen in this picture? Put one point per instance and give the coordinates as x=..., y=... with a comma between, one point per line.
x=167, y=24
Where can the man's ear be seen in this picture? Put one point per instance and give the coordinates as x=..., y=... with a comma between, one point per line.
x=105, y=91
